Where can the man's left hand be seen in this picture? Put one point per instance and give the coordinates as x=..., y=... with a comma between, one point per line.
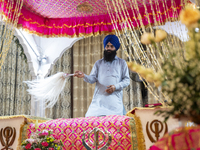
x=110, y=89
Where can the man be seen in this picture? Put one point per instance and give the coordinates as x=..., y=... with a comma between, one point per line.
x=111, y=75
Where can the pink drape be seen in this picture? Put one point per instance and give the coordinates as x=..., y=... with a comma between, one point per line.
x=94, y=25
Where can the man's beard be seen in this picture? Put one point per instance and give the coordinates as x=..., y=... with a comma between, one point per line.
x=109, y=55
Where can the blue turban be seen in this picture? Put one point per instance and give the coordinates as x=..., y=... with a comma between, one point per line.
x=113, y=39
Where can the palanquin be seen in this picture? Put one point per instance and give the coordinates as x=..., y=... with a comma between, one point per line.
x=140, y=129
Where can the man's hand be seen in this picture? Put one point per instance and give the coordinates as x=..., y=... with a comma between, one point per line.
x=110, y=89
x=79, y=74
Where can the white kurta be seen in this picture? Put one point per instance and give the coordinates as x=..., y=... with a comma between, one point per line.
x=104, y=74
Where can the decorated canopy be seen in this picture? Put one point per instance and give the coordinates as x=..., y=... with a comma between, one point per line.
x=75, y=18
x=78, y=18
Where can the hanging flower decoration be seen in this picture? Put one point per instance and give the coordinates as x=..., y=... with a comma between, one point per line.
x=180, y=76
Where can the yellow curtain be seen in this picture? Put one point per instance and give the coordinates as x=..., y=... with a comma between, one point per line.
x=13, y=98
x=62, y=108
x=85, y=53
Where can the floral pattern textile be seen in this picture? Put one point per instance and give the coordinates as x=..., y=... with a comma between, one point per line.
x=185, y=138
x=13, y=98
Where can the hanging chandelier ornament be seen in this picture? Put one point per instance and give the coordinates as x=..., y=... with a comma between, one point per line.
x=84, y=7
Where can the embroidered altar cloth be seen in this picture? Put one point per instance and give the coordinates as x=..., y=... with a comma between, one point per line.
x=70, y=131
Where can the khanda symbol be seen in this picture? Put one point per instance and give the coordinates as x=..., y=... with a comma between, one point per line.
x=9, y=135
x=158, y=128
x=96, y=142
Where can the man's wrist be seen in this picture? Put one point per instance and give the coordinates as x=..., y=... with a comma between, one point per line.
x=85, y=77
x=116, y=87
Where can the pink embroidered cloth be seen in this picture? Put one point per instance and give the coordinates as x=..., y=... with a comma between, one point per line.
x=53, y=18
x=70, y=131
x=180, y=139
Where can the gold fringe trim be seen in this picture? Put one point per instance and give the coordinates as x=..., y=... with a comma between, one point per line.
x=139, y=131
x=85, y=25
x=19, y=26
x=27, y=120
x=17, y=116
x=20, y=136
x=134, y=141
